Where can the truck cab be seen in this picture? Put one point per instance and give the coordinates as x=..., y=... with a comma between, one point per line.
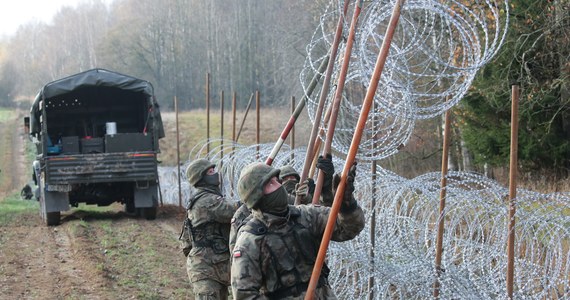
x=97, y=138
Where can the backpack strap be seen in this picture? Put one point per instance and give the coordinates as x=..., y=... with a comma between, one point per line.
x=254, y=226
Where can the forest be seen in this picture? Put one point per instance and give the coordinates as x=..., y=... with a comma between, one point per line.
x=250, y=45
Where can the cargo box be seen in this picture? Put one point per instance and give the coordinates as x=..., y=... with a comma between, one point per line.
x=70, y=145
x=92, y=145
x=128, y=142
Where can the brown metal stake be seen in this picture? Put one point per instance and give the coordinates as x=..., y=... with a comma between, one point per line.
x=369, y=98
x=208, y=114
x=244, y=117
x=442, y=194
x=257, y=110
x=234, y=102
x=512, y=189
x=178, y=152
x=221, y=134
x=292, y=141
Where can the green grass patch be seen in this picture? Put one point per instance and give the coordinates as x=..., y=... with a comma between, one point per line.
x=6, y=114
x=13, y=207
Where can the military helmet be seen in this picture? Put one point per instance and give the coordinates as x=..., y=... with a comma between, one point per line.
x=287, y=170
x=197, y=169
x=251, y=182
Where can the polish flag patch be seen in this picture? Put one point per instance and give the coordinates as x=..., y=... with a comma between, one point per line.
x=237, y=253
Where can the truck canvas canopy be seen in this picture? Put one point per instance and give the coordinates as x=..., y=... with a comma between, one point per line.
x=96, y=92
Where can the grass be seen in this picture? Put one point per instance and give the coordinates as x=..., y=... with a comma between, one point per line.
x=13, y=207
x=192, y=127
x=6, y=114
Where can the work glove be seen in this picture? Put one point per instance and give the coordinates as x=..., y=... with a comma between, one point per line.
x=305, y=189
x=348, y=201
x=186, y=251
x=327, y=168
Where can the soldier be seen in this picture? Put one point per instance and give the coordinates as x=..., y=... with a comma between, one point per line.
x=206, y=233
x=275, y=251
x=289, y=178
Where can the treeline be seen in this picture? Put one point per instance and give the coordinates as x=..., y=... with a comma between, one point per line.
x=249, y=45
x=245, y=45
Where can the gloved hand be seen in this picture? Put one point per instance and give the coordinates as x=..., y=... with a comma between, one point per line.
x=348, y=201
x=302, y=189
x=186, y=251
x=327, y=168
x=306, y=188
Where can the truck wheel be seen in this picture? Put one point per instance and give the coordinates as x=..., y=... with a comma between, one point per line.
x=148, y=213
x=52, y=218
x=130, y=207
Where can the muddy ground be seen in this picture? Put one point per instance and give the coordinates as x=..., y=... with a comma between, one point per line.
x=92, y=254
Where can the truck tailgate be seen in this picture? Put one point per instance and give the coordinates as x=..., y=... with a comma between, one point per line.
x=101, y=167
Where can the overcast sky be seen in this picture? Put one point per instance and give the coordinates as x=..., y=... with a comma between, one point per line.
x=14, y=13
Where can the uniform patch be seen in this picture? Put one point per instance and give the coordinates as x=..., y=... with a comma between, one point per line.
x=237, y=253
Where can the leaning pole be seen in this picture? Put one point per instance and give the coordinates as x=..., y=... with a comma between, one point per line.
x=369, y=98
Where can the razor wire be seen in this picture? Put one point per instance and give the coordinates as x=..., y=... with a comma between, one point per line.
x=406, y=212
x=438, y=47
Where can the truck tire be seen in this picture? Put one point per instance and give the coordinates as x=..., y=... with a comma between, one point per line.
x=148, y=213
x=53, y=218
x=130, y=207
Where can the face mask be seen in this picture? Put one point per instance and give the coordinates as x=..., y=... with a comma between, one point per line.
x=213, y=179
x=290, y=185
x=274, y=202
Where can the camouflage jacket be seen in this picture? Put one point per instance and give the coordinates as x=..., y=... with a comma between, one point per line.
x=210, y=214
x=263, y=261
x=241, y=217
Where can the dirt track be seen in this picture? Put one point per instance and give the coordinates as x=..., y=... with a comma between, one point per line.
x=92, y=254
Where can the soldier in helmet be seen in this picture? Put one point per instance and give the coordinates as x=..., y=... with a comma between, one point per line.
x=289, y=178
x=276, y=249
x=206, y=233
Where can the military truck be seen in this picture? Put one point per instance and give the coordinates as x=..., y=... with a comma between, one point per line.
x=97, y=138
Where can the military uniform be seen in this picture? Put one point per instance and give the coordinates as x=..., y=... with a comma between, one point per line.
x=207, y=264
x=274, y=254
x=272, y=258
x=241, y=216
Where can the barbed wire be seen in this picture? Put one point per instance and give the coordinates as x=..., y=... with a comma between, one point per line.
x=405, y=214
x=438, y=47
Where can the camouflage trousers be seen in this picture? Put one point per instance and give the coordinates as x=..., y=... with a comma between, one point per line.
x=209, y=290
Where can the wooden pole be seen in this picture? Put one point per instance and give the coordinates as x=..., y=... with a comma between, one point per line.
x=322, y=99
x=208, y=114
x=292, y=138
x=372, y=209
x=234, y=102
x=297, y=111
x=369, y=98
x=338, y=96
x=442, y=195
x=257, y=122
x=512, y=189
x=178, y=152
x=372, y=233
x=244, y=116
x=222, y=124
